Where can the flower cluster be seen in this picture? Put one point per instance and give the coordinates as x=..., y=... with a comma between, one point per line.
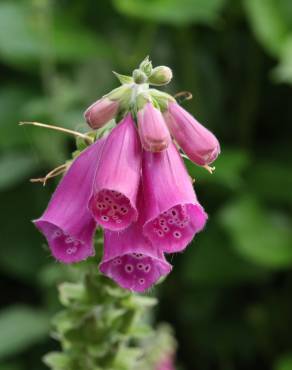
x=133, y=183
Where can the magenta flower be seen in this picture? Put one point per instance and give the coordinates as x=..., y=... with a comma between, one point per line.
x=100, y=112
x=131, y=260
x=173, y=212
x=153, y=131
x=167, y=363
x=67, y=223
x=199, y=144
x=113, y=203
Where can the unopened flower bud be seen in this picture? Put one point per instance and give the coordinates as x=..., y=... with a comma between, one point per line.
x=139, y=76
x=160, y=76
x=146, y=67
x=100, y=112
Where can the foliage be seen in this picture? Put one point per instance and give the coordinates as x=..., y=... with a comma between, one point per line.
x=103, y=327
x=229, y=296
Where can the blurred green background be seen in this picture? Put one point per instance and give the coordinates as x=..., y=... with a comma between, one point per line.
x=229, y=296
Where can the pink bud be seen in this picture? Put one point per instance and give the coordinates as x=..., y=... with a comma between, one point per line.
x=199, y=144
x=153, y=131
x=100, y=112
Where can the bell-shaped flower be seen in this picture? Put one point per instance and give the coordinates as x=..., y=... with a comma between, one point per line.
x=67, y=223
x=199, y=144
x=173, y=212
x=153, y=131
x=113, y=203
x=130, y=259
x=166, y=363
x=100, y=112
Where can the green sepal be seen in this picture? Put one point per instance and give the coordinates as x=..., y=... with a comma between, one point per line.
x=124, y=79
x=58, y=361
x=146, y=66
x=161, y=98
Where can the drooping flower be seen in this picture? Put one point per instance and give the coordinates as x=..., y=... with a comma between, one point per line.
x=130, y=259
x=100, y=112
x=166, y=363
x=153, y=131
x=173, y=212
x=67, y=223
x=199, y=144
x=113, y=203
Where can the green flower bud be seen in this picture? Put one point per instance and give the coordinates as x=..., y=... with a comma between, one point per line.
x=160, y=76
x=146, y=67
x=139, y=76
x=161, y=98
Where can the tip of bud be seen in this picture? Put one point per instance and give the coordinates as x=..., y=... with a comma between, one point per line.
x=161, y=75
x=139, y=76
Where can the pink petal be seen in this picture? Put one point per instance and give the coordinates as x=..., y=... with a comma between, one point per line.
x=67, y=223
x=173, y=212
x=113, y=203
x=199, y=144
x=153, y=131
x=100, y=112
x=131, y=260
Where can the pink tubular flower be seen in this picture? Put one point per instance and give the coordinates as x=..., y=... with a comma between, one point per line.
x=67, y=223
x=113, y=203
x=167, y=363
x=100, y=112
x=199, y=144
x=153, y=131
x=173, y=212
x=131, y=260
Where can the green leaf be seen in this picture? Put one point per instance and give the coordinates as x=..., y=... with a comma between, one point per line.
x=283, y=72
x=15, y=167
x=71, y=292
x=175, y=12
x=20, y=328
x=278, y=176
x=284, y=363
x=229, y=167
x=57, y=361
x=23, y=36
x=269, y=21
x=13, y=366
x=212, y=262
x=257, y=235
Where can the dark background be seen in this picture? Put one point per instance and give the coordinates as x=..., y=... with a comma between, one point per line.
x=229, y=296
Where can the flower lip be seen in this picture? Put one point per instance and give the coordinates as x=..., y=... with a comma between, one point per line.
x=64, y=246
x=130, y=259
x=135, y=271
x=174, y=228
x=113, y=210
